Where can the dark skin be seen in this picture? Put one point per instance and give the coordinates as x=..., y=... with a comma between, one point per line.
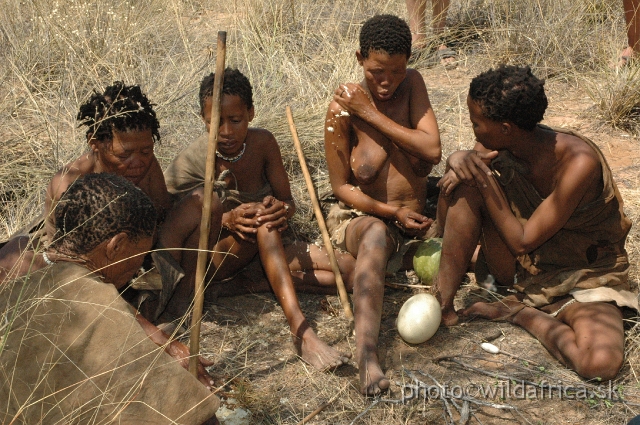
x=116, y=261
x=128, y=154
x=631, y=11
x=566, y=172
x=248, y=229
x=381, y=140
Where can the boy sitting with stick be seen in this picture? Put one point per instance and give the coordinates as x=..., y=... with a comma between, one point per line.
x=381, y=141
x=256, y=200
x=549, y=218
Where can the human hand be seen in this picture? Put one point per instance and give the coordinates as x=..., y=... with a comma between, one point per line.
x=242, y=220
x=180, y=352
x=414, y=224
x=470, y=166
x=274, y=214
x=448, y=182
x=353, y=99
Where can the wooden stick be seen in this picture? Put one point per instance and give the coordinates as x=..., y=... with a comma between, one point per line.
x=344, y=298
x=205, y=222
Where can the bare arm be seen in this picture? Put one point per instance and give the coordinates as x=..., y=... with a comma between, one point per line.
x=279, y=207
x=337, y=148
x=574, y=179
x=175, y=349
x=157, y=189
x=421, y=139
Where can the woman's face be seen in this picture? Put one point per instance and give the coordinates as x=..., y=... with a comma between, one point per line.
x=129, y=154
x=383, y=73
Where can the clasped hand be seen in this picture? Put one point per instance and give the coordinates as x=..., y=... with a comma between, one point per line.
x=245, y=219
x=468, y=167
x=412, y=223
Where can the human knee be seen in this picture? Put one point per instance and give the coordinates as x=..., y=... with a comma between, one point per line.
x=376, y=233
x=603, y=364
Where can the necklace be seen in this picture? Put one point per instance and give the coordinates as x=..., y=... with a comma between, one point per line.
x=232, y=158
x=46, y=259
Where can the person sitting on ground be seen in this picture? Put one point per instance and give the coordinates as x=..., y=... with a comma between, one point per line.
x=73, y=349
x=256, y=198
x=543, y=205
x=381, y=141
x=122, y=130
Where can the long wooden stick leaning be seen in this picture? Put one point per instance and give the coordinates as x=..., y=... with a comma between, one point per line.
x=344, y=298
x=205, y=222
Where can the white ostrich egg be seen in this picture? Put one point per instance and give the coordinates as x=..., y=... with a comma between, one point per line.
x=419, y=318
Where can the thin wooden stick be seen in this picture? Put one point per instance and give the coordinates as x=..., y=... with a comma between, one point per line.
x=344, y=298
x=205, y=222
x=321, y=407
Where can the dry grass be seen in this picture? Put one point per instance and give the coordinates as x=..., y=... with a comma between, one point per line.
x=295, y=53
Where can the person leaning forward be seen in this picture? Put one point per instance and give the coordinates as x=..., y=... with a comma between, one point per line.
x=74, y=351
x=549, y=218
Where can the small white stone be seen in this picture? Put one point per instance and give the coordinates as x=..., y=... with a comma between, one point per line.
x=330, y=129
x=489, y=348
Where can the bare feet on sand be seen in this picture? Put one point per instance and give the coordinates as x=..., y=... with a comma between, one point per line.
x=317, y=353
x=624, y=58
x=506, y=309
x=449, y=317
x=372, y=379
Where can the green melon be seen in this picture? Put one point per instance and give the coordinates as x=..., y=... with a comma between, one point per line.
x=426, y=260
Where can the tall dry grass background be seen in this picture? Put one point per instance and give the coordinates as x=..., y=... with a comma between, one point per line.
x=295, y=52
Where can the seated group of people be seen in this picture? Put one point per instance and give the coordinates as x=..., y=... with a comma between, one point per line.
x=538, y=208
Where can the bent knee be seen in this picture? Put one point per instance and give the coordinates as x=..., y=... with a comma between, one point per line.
x=603, y=364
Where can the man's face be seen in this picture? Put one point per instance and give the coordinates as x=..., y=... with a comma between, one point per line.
x=383, y=73
x=234, y=123
x=488, y=132
x=129, y=154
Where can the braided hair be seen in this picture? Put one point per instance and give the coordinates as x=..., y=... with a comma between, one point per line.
x=120, y=107
x=98, y=206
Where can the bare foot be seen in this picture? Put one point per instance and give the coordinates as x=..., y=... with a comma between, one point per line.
x=372, y=379
x=317, y=353
x=449, y=317
x=506, y=309
x=625, y=56
x=448, y=57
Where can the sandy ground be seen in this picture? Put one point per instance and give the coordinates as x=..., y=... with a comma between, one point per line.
x=248, y=336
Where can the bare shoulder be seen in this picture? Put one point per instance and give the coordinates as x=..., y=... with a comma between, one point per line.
x=337, y=115
x=414, y=78
x=573, y=149
x=259, y=135
x=68, y=174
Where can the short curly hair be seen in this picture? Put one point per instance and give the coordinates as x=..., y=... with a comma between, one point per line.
x=386, y=33
x=235, y=83
x=510, y=93
x=120, y=107
x=98, y=206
